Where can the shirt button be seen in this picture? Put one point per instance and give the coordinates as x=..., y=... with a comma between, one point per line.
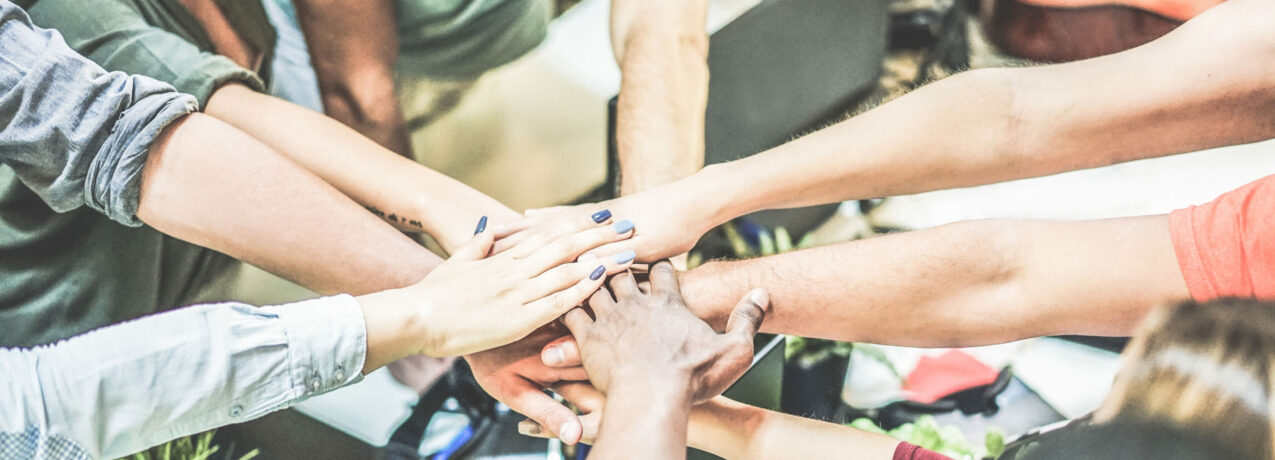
x=236, y=411
x=340, y=374
x=316, y=382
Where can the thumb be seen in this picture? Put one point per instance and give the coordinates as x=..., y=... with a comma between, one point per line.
x=549, y=413
x=745, y=320
x=476, y=249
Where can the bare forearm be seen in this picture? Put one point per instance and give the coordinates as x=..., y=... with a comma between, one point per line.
x=965, y=284
x=355, y=70
x=992, y=125
x=210, y=184
x=644, y=419
x=733, y=430
x=661, y=47
x=404, y=193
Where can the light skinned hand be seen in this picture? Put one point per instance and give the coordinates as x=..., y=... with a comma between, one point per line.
x=514, y=375
x=643, y=336
x=474, y=302
x=668, y=223
x=586, y=399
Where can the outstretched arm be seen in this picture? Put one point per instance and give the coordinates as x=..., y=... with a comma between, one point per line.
x=209, y=183
x=1206, y=84
x=661, y=47
x=965, y=284
x=404, y=193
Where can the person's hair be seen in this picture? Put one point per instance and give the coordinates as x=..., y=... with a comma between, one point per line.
x=1204, y=368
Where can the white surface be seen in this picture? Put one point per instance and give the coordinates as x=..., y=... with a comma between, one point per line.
x=1072, y=378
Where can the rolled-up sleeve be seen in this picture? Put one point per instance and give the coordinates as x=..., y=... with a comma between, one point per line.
x=118, y=390
x=72, y=132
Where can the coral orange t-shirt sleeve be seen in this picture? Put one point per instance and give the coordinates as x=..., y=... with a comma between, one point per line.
x=1226, y=248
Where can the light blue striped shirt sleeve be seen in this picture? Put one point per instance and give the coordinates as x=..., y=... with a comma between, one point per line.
x=121, y=389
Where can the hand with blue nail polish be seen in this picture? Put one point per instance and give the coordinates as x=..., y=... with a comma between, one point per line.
x=476, y=301
x=666, y=223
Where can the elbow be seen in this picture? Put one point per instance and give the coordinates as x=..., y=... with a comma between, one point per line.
x=361, y=99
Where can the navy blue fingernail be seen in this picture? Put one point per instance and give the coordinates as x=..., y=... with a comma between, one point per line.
x=601, y=216
x=482, y=225
x=623, y=226
x=624, y=257
x=597, y=273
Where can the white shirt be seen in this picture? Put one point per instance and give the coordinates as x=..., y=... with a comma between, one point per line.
x=121, y=389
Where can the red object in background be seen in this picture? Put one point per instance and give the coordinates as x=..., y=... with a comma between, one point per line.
x=953, y=371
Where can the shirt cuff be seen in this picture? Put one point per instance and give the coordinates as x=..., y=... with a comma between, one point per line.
x=327, y=343
x=113, y=183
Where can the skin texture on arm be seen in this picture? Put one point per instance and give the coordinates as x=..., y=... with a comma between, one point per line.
x=355, y=67
x=209, y=183
x=661, y=47
x=966, y=284
x=1206, y=84
x=404, y=193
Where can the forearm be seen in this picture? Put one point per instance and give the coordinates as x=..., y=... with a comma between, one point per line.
x=404, y=193
x=210, y=184
x=661, y=47
x=644, y=418
x=733, y=430
x=966, y=284
x=992, y=125
x=356, y=70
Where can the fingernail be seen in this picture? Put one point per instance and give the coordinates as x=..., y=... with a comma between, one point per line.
x=601, y=216
x=569, y=432
x=624, y=257
x=597, y=273
x=623, y=226
x=482, y=225
x=759, y=297
x=553, y=356
x=529, y=428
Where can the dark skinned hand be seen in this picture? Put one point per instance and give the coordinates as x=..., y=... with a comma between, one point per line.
x=642, y=336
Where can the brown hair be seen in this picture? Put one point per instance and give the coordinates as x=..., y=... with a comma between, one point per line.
x=1207, y=368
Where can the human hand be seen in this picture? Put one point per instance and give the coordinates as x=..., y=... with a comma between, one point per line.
x=654, y=337
x=586, y=399
x=514, y=375
x=668, y=223
x=473, y=302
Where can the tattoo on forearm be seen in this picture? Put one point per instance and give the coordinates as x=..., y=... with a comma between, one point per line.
x=395, y=218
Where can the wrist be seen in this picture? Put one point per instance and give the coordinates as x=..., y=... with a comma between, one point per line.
x=396, y=326
x=659, y=384
x=721, y=192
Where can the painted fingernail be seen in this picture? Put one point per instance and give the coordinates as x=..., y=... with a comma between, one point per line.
x=529, y=428
x=569, y=432
x=553, y=356
x=601, y=216
x=482, y=225
x=623, y=226
x=597, y=273
x=624, y=257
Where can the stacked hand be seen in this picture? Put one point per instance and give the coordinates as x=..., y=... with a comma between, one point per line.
x=668, y=224
x=639, y=339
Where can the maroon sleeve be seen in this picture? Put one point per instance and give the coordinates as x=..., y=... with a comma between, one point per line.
x=907, y=451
